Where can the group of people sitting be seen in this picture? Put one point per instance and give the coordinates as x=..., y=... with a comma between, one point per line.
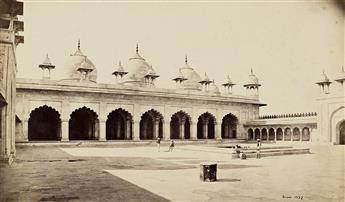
x=242, y=155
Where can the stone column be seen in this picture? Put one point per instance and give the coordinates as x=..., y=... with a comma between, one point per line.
x=102, y=130
x=183, y=121
x=128, y=129
x=275, y=135
x=26, y=130
x=205, y=129
x=155, y=128
x=65, y=130
x=193, y=130
x=136, y=130
x=118, y=130
x=144, y=130
x=300, y=134
x=166, y=129
x=226, y=130
x=218, y=130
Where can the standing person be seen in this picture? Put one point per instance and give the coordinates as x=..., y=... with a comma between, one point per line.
x=258, y=148
x=172, y=145
x=159, y=144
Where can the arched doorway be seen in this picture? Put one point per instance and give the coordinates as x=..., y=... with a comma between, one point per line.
x=44, y=124
x=257, y=133
x=229, y=126
x=296, y=134
x=287, y=134
x=264, y=134
x=279, y=134
x=83, y=124
x=119, y=125
x=342, y=132
x=271, y=134
x=205, y=126
x=250, y=134
x=151, y=124
x=180, y=126
x=305, y=134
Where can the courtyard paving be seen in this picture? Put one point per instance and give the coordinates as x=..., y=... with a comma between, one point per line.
x=140, y=173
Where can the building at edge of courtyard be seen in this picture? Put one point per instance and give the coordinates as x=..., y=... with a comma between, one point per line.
x=9, y=39
x=78, y=108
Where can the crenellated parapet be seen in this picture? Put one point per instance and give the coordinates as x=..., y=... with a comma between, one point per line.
x=278, y=116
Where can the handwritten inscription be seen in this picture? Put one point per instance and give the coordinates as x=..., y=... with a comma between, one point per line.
x=299, y=197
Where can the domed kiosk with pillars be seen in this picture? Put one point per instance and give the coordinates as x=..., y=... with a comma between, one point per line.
x=132, y=109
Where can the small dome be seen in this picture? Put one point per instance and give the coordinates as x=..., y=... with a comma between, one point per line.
x=323, y=78
x=138, y=68
x=252, y=80
x=193, y=78
x=74, y=63
x=213, y=88
x=341, y=77
x=47, y=63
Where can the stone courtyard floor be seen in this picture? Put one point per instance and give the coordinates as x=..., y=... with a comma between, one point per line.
x=140, y=173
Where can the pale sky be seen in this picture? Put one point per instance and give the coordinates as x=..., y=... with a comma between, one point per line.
x=287, y=44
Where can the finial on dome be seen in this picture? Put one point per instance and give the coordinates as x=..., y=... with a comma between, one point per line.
x=137, y=49
x=251, y=70
x=78, y=44
x=186, y=59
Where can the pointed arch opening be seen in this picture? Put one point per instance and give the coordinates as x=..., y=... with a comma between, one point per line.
x=83, y=124
x=287, y=134
x=257, y=133
x=279, y=134
x=229, y=126
x=119, y=125
x=250, y=134
x=271, y=134
x=151, y=125
x=44, y=124
x=264, y=134
x=296, y=134
x=205, y=126
x=341, y=131
x=180, y=125
x=305, y=134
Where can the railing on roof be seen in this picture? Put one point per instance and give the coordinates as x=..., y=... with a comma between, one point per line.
x=288, y=115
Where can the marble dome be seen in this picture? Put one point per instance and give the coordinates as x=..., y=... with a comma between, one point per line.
x=193, y=78
x=75, y=61
x=252, y=80
x=137, y=68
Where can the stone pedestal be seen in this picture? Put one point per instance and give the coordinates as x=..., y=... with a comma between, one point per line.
x=208, y=171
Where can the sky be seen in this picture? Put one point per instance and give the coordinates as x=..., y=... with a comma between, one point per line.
x=287, y=43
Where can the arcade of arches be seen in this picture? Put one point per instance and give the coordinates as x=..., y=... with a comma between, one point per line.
x=281, y=133
x=84, y=124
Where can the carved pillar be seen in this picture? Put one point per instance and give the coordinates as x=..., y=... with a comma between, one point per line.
x=193, y=131
x=205, y=129
x=300, y=134
x=65, y=130
x=26, y=130
x=102, y=130
x=218, y=130
x=128, y=129
x=166, y=129
x=226, y=130
x=275, y=135
x=183, y=121
x=155, y=128
x=135, y=129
